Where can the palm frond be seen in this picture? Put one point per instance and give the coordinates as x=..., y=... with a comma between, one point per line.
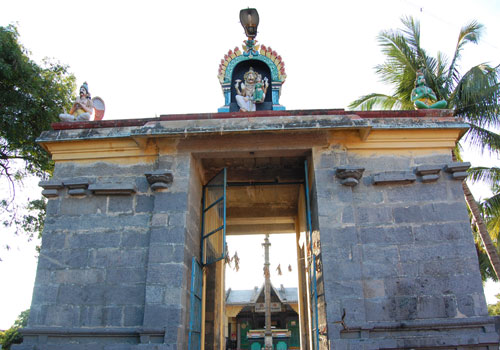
x=470, y=33
x=370, y=101
x=490, y=176
x=477, y=96
x=483, y=139
x=491, y=206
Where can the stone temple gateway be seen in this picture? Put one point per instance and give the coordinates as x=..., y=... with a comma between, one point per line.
x=138, y=211
x=392, y=258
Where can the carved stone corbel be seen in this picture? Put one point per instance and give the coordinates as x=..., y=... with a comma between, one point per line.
x=159, y=179
x=458, y=170
x=349, y=175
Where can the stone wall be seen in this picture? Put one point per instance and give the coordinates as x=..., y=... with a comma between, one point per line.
x=398, y=256
x=115, y=264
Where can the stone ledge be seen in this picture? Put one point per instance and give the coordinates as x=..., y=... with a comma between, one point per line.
x=76, y=183
x=394, y=177
x=112, y=188
x=429, y=173
x=51, y=185
x=91, y=331
x=50, y=188
x=458, y=170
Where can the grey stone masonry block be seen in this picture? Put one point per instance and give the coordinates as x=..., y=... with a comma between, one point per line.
x=361, y=195
x=134, y=239
x=459, y=175
x=374, y=215
x=348, y=215
x=355, y=310
x=168, y=202
x=99, y=169
x=155, y=294
x=62, y=315
x=339, y=236
x=457, y=167
x=440, y=232
x=96, y=222
x=373, y=288
x=344, y=289
x=165, y=274
x=120, y=204
x=429, y=178
x=124, y=294
x=92, y=316
x=409, y=214
x=52, y=240
x=79, y=276
x=144, y=204
x=142, y=185
x=440, y=212
x=430, y=169
x=46, y=294
x=111, y=257
x=53, y=207
x=374, y=269
x=95, y=240
x=164, y=235
x=112, y=188
x=177, y=219
x=419, y=192
x=162, y=316
x=133, y=316
x=83, y=206
x=384, y=235
x=126, y=275
x=387, y=254
x=380, y=164
x=392, y=177
x=166, y=253
x=49, y=193
x=76, y=183
x=344, y=270
x=51, y=184
x=113, y=316
x=77, y=192
x=431, y=307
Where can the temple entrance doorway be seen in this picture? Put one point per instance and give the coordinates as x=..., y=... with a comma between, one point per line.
x=264, y=193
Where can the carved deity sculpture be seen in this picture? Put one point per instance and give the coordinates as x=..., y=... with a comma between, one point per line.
x=82, y=108
x=252, y=91
x=423, y=97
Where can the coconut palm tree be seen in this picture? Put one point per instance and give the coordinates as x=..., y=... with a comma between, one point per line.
x=474, y=96
x=490, y=210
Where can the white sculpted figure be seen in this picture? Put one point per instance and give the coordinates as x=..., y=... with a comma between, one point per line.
x=82, y=108
x=248, y=96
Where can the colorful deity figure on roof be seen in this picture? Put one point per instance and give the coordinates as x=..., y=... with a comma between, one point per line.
x=251, y=91
x=423, y=97
x=82, y=109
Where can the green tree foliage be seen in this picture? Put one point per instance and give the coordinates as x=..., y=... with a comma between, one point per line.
x=31, y=98
x=474, y=96
x=12, y=335
x=490, y=209
x=494, y=309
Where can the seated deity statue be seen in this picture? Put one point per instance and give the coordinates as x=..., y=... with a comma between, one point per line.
x=252, y=91
x=82, y=108
x=423, y=97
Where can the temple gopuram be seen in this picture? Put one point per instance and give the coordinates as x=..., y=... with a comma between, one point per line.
x=134, y=242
